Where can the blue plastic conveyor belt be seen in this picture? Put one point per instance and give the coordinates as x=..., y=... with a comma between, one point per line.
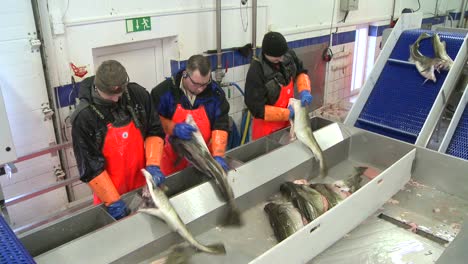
x=458, y=146
x=11, y=249
x=399, y=102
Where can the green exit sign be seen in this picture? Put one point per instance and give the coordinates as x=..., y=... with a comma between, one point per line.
x=138, y=24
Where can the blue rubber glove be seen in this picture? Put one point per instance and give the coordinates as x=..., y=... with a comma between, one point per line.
x=222, y=162
x=158, y=176
x=291, y=112
x=183, y=131
x=306, y=98
x=118, y=209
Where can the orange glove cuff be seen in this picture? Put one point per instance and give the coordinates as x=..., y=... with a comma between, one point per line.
x=219, y=139
x=303, y=82
x=274, y=113
x=104, y=188
x=153, y=150
x=167, y=124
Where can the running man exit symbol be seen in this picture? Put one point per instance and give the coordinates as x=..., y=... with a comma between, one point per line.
x=138, y=24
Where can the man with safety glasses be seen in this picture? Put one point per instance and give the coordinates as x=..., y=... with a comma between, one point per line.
x=192, y=91
x=115, y=134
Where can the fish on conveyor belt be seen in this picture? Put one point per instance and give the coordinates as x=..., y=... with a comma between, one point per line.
x=197, y=153
x=165, y=211
x=285, y=219
x=425, y=65
x=300, y=128
x=310, y=203
x=440, y=52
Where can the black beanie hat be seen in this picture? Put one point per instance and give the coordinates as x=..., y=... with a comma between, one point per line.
x=274, y=44
x=111, y=77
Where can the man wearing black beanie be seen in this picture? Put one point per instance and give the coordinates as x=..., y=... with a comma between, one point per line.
x=270, y=84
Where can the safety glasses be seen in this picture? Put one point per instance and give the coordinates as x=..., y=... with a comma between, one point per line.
x=199, y=85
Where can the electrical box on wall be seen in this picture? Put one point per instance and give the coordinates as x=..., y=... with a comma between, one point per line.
x=349, y=5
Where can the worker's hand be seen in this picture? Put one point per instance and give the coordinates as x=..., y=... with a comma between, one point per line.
x=291, y=112
x=118, y=209
x=158, y=176
x=183, y=131
x=222, y=162
x=306, y=98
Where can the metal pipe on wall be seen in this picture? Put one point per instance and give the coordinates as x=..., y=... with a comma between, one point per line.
x=462, y=15
x=254, y=27
x=393, y=12
x=219, y=74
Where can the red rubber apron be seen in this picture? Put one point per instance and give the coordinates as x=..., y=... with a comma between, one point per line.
x=125, y=157
x=169, y=156
x=260, y=127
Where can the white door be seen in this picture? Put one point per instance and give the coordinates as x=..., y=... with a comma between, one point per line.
x=25, y=94
x=143, y=61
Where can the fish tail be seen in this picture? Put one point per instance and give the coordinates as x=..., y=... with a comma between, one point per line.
x=323, y=168
x=233, y=217
x=216, y=249
x=179, y=254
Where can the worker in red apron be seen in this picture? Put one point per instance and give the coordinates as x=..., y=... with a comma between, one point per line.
x=192, y=91
x=270, y=84
x=116, y=133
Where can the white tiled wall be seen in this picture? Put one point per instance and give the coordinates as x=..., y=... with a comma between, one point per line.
x=233, y=95
x=338, y=83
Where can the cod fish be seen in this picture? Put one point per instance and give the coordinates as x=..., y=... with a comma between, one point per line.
x=350, y=184
x=285, y=219
x=339, y=190
x=197, y=153
x=332, y=197
x=440, y=52
x=300, y=127
x=180, y=254
x=166, y=212
x=425, y=65
x=310, y=203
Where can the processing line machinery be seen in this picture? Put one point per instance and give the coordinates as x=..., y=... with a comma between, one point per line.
x=358, y=227
x=412, y=211
x=396, y=102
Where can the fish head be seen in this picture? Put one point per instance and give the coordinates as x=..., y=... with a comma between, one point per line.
x=189, y=120
x=427, y=71
x=341, y=186
x=441, y=64
x=423, y=35
x=294, y=103
x=436, y=40
x=149, y=178
x=360, y=170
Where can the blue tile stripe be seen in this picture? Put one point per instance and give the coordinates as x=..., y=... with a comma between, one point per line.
x=434, y=20
x=308, y=42
x=455, y=15
x=66, y=95
x=343, y=37
x=234, y=58
x=376, y=31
